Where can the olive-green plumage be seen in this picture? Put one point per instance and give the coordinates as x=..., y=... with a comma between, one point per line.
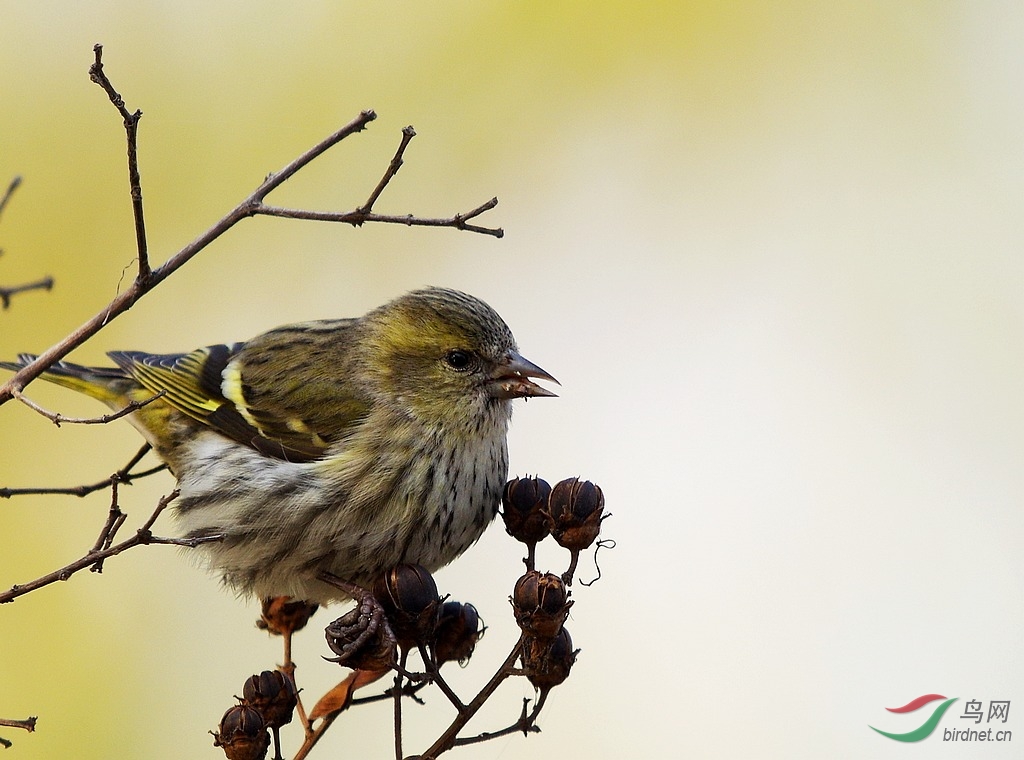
x=345, y=445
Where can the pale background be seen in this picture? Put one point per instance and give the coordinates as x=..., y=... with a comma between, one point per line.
x=773, y=251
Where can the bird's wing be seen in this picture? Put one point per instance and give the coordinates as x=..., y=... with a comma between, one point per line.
x=295, y=385
x=192, y=383
x=287, y=393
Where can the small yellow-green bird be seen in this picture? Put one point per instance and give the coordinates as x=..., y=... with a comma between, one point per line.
x=341, y=445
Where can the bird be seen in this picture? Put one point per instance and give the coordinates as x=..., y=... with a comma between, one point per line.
x=340, y=446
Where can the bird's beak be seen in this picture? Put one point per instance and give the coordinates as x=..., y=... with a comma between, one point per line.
x=511, y=378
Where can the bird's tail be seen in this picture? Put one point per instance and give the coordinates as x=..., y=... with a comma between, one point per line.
x=107, y=384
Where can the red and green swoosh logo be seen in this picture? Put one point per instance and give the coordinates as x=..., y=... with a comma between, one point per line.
x=925, y=728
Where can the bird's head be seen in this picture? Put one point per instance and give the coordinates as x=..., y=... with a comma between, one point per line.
x=445, y=356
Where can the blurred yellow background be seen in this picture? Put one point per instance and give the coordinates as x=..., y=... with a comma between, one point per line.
x=773, y=252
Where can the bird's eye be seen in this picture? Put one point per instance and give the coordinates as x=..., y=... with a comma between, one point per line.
x=458, y=359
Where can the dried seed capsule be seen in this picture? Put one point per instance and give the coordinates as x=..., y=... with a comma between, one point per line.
x=548, y=662
x=458, y=630
x=272, y=695
x=541, y=604
x=282, y=614
x=523, y=507
x=242, y=734
x=575, y=511
x=409, y=597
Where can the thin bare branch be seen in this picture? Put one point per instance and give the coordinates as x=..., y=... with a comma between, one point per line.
x=46, y=283
x=396, y=163
x=397, y=705
x=14, y=185
x=448, y=739
x=29, y=724
x=408, y=690
x=131, y=128
x=57, y=418
x=312, y=738
x=124, y=475
x=115, y=519
x=526, y=724
x=143, y=536
x=359, y=217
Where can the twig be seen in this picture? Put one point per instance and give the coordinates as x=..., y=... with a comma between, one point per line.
x=397, y=707
x=250, y=206
x=359, y=217
x=131, y=128
x=14, y=185
x=526, y=724
x=448, y=739
x=317, y=733
x=57, y=418
x=124, y=475
x=408, y=690
x=313, y=735
x=438, y=679
x=45, y=283
x=396, y=163
x=29, y=724
x=143, y=536
x=115, y=519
